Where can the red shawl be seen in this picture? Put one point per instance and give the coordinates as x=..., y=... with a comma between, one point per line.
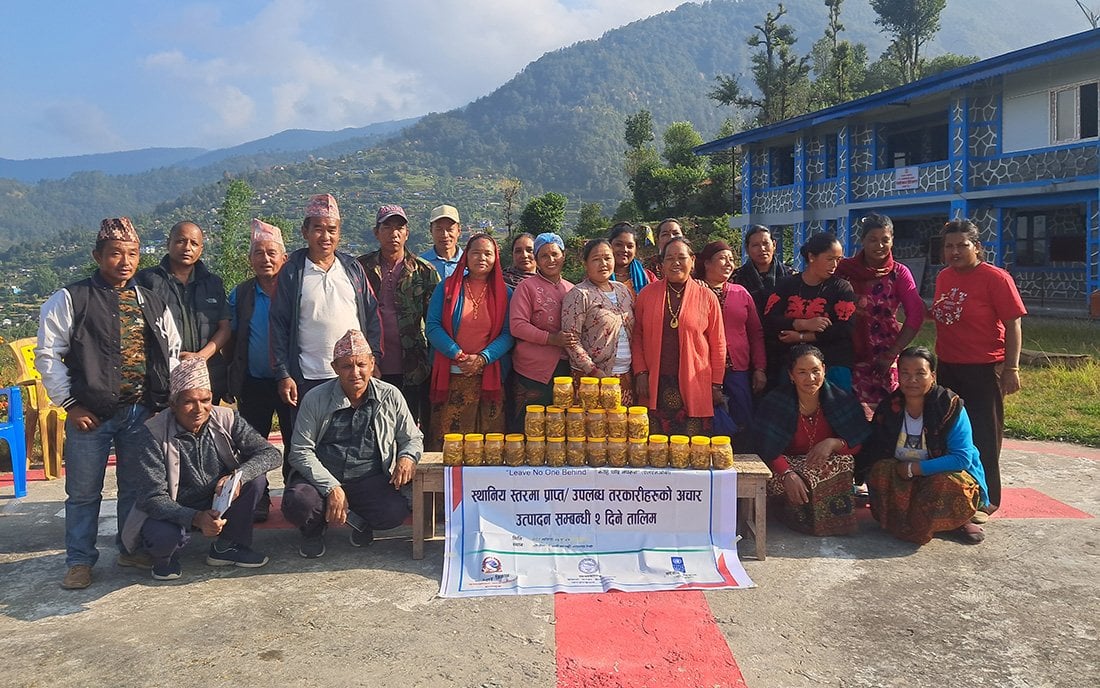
x=496, y=307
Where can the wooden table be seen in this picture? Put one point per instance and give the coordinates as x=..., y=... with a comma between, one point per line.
x=752, y=477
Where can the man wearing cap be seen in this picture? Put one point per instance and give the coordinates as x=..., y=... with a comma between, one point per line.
x=186, y=455
x=252, y=379
x=355, y=445
x=320, y=294
x=403, y=284
x=446, y=228
x=105, y=349
x=196, y=298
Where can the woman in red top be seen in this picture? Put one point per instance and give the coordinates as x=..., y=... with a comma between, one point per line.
x=977, y=310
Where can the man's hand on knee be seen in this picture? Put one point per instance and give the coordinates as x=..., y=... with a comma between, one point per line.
x=336, y=506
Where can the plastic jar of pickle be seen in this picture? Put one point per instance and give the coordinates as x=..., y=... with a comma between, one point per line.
x=555, y=421
x=452, y=449
x=700, y=452
x=473, y=449
x=555, y=451
x=679, y=451
x=611, y=393
x=616, y=452
x=596, y=423
x=513, y=449
x=637, y=452
x=616, y=422
x=534, y=451
x=575, y=452
x=534, y=423
x=494, y=449
x=596, y=450
x=588, y=393
x=721, y=453
x=575, y=423
x=637, y=423
x=563, y=391
x=657, y=453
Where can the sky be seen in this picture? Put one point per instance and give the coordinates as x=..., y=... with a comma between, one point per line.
x=103, y=76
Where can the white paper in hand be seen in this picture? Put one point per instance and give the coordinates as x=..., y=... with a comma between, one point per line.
x=223, y=501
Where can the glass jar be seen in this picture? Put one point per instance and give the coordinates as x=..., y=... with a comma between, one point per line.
x=555, y=451
x=452, y=449
x=534, y=451
x=563, y=391
x=637, y=454
x=721, y=453
x=473, y=449
x=637, y=423
x=494, y=449
x=597, y=423
x=597, y=452
x=616, y=422
x=555, y=421
x=611, y=393
x=575, y=452
x=616, y=452
x=534, y=424
x=679, y=451
x=574, y=423
x=588, y=393
x=657, y=454
x=513, y=449
x=700, y=452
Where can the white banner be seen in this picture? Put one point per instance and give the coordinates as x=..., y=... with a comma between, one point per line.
x=531, y=530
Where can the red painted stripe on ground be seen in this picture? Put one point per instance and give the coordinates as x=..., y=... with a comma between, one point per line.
x=638, y=639
x=1071, y=451
x=1024, y=502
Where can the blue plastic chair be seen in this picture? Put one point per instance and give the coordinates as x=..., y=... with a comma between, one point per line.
x=11, y=430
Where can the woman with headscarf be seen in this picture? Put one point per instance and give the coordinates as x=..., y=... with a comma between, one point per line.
x=763, y=270
x=628, y=268
x=467, y=325
x=523, y=260
x=882, y=286
x=535, y=322
x=601, y=314
x=745, y=362
x=678, y=347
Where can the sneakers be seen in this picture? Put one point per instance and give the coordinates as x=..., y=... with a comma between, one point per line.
x=361, y=538
x=971, y=533
x=169, y=570
x=313, y=546
x=232, y=554
x=137, y=560
x=78, y=577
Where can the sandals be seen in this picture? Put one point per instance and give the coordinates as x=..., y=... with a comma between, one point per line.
x=970, y=534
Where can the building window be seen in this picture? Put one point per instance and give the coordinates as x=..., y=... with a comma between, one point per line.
x=782, y=165
x=1074, y=113
x=914, y=142
x=832, y=150
x=1031, y=240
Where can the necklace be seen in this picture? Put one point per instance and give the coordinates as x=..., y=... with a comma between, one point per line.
x=720, y=292
x=476, y=301
x=674, y=321
x=809, y=426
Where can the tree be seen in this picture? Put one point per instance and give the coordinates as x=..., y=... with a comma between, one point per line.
x=591, y=222
x=839, y=66
x=545, y=213
x=946, y=62
x=231, y=261
x=639, y=129
x=1092, y=15
x=509, y=189
x=679, y=139
x=911, y=23
x=43, y=281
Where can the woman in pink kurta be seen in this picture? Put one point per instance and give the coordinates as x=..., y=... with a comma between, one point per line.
x=882, y=286
x=679, y=347
x=535, y=322
x=745, y=362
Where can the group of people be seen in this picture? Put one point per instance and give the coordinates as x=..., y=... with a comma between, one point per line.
x=368, y=361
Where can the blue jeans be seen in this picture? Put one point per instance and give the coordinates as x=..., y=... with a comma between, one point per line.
x=85, y=465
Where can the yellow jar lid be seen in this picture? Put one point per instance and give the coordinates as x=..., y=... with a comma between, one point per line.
x=618, y=409
x=597, y=412
x=590, y=380
x=474, y=437
x=555, y=409
x=609, y=380
x=494, y=437
x=514, y=437
x=534, y=438
x=700, y=440
x=638, y=440
x=658, y=439
x=563, y=380
x=576, y=409
x=679, y=439
x=535, y=408
x=720, y=440
x=597, y=440
x=453, y=437
x=555, y=439
x=638, y=410
x=619, y=440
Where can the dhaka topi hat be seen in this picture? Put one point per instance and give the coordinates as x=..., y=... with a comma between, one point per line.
x=353, y=343
x=191, y=373
x=547, y=238
x=262, y=231
x=388, y=211
x=323, y=205
x=117, y=229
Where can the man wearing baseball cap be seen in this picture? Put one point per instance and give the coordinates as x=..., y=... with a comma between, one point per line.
x=446, y=228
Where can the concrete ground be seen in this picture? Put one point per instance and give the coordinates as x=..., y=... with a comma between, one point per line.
x=1020, y=609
